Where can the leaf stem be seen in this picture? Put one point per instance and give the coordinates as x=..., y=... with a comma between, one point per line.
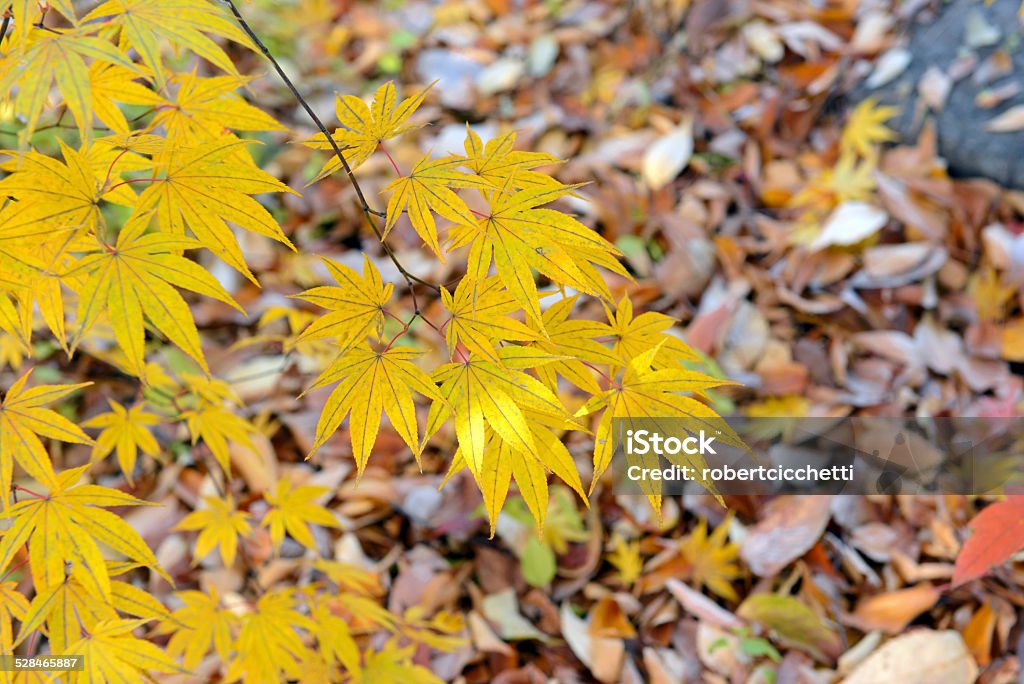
x=19, y=488
x=390, y=159
x=607, y=378
x=367, y=211
x=112, y=165
x=13, y=570
x=133, y=180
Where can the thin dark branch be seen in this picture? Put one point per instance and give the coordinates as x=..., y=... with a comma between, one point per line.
x=410, y=279
x=4, y=26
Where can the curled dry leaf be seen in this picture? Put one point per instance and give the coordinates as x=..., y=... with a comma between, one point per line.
x=850, y=223
x=669, y=155
x=893, y=611
x=791, y=527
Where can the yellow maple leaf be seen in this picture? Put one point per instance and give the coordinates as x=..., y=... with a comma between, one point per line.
x=127, y=431
x=520, y=236
x=356, y=304
x=199, y=625
x=204, y=108
x=577, y=341
x=393, y=664
x=504, y=422
x=44, y=57
x=365, y=128
x=113, y=83
x=63, y=527
x=52, y=196
x=13, y=606
x=23, y=420
x=477, y=318
x=184, y=23
x=633, y=335
x=500, y=165
x=66, y=609
x=646, y=392
x=131, y=280
x=866, y=128
x=850, y=180
x=208, y=186
x=269, y=643
x=220, y=525
x=334, y=636
x=625, y=557
x=371, y=383
x=293, y=510
x=990, y=296
x=426, y=191
x=112, y=655
x=218, y=426
x=479, y=393
x=711, y=559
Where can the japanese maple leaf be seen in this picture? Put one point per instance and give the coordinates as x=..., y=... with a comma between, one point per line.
x=220, y=525
x=292, y=510
x=866, y=128
x=480, y=394
x=369, y=383
x=426, y=191
x=23, y=420
x=576, y=341
x=208, y=186
x=68, y=609
x=365, y=128
x=356, y=304
x=111, y=654
x=28, y=14
x=146, y=24
x=269, y=642
x=519, y=237
x=394, y=664
x=127, y=430
x=218, y=426
x=502, y=462
x=634, y=335
x=478, y=317
x=44, y=57
x=997, y=533
x=113, y=83
x=64, y=529
x=654, y=394
x=131, y=281
x=199, y=625
x=500, y=164
x=13, y=606
x=709, y=559
x=203, y=108
x=51, y=196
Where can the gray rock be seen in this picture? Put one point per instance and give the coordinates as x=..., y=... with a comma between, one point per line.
x=962, y=31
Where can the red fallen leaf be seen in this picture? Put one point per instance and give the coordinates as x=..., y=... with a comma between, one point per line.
x=998, y=533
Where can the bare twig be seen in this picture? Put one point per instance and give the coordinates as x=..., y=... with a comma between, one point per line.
x=370, y=213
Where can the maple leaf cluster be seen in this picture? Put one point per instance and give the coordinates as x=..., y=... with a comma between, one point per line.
x=101, y=228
